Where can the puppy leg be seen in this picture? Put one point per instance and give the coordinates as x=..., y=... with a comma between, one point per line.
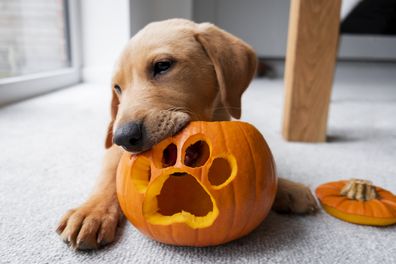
x=294, y=197
x=94, y=223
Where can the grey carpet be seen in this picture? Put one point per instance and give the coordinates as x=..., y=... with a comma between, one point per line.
x=51, y=148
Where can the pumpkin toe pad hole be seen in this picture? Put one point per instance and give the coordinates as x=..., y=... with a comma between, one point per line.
x=220, y=171
x=169, y=156
x=181, y=192
x=197, y=154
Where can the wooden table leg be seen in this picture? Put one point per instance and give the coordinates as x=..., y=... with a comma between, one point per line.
x=310, y=63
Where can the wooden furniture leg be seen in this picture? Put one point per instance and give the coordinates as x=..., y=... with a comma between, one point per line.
x=310, y=62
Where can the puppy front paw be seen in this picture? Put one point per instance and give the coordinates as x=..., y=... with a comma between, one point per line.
x=91, y=225
x=294, y=198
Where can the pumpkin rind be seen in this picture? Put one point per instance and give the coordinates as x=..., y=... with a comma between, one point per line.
x=239, y=203
x=380, y=211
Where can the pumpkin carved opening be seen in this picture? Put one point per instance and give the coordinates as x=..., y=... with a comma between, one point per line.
x=219, y=172
x=181, y=192
x=197, y=154
x=179, y=197
x=169, y=156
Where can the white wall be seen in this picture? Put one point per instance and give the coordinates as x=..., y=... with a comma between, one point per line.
x=146, y=11
x=108, y=24
x=264, y=25
x=105, y=31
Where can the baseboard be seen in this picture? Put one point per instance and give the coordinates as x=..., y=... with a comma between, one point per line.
x=345, y=70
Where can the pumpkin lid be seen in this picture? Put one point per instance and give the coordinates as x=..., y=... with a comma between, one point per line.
x=358, y=197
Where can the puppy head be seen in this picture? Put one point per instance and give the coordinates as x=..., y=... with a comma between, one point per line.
x=172, y=72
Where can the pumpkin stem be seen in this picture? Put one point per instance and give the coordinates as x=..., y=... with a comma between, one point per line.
x=361, y=190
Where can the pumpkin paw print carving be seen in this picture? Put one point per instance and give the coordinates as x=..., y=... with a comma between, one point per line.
x=199, y=182
x=174, y=191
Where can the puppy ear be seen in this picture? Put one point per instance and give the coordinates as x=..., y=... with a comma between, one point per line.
x=234, y=61
x=114, y=109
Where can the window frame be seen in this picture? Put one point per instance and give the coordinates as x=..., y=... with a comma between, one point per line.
x=13, y=89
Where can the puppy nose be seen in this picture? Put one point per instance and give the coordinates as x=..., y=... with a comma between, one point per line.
x=129, y=135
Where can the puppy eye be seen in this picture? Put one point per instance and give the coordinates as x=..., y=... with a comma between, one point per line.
x=117, y=89
x=161, y=67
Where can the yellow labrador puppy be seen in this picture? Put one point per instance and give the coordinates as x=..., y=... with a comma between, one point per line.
x=170, y=73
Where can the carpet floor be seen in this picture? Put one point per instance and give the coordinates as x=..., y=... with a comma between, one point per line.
x=52, y=146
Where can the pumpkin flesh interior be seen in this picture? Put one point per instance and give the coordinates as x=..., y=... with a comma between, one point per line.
x=179, y=198
x=141, y=173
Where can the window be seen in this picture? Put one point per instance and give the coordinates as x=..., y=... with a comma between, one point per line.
x=38, y=47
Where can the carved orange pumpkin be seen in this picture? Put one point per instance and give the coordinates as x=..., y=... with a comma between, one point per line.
x=358, y=201
x=210, y=184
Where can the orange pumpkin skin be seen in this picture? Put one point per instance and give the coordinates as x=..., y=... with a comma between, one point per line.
x=240, y=201
x=380, y=211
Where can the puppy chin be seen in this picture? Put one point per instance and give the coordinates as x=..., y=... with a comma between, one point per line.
x=161, y=125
